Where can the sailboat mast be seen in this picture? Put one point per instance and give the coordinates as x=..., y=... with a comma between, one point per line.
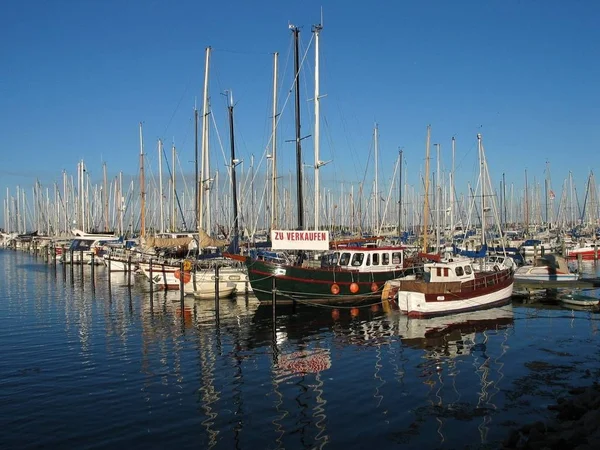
x=234, y=162
x=142, y=186
x=161, y=206
x=452, y=189
x=481, y=180
x=204, y=156
x=400, y=195
x=317, y=29
x=173, y=190
x=376, y=227
x=526, y=206
x=437, y=194
x=274, y=146
x=426, y=202
x=196, y=178
x=105, y=197
x=300, y=198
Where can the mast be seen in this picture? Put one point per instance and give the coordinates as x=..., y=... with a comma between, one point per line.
x=300, y=198
x=426, y=202
x=161, y=205
x=437, y=194
x=121, y=202
x=196, y=179
x=142, y=187
x=274, y=147
x=504, y=206
x=234, y=162
x=526, y=206
x=400, y=195
x=481, y=180
x=318, y=163
x=204, y=170
x=105, y=198
x=173, y=191
x=452, y=189
x=376, y=228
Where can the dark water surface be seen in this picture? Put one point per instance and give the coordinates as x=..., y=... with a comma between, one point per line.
x=93, y=367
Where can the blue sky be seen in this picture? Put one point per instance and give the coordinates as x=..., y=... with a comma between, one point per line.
x=78, y=76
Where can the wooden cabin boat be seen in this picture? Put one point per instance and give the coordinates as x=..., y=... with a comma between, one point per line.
x=452, y=286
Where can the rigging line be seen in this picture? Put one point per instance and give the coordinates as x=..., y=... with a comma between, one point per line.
x=178, y=105
x=176, y=194
x=239, y=52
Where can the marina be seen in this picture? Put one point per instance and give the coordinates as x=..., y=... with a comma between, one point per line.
x=286, y=226
x=110, y=365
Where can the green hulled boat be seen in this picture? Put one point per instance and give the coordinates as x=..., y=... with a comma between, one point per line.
x=351, y=275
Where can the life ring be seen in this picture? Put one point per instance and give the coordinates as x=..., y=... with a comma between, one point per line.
x=374, y=287
x=187, y=265
x=186, y=276
x=335, y=289
x=354, y=288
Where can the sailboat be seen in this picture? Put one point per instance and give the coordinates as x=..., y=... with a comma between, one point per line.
x=350, y=274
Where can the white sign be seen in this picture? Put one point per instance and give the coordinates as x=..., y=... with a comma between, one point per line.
x=299, y=240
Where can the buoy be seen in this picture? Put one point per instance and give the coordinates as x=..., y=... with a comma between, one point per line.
x=374, y=287
x=335, y=314
x=186, y=276
x=354, y=288
x=187, y=265
x=354, y=312
x=335, y=289
x=375, y=307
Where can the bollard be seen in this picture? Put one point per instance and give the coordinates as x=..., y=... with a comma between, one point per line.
x=108, y=265
x=129, y=270
x=93, y=269
x=273, y=302
x=71, y=252
x=81, y=262
x=217, y=289
x=151, y=283
x=181, y=293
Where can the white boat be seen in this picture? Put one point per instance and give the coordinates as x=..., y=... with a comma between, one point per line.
x=578, y=300
x=168, y=276
x=452, y=286
x=206, y=290
x=546, y=268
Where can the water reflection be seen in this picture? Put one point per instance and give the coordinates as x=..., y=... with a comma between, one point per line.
x=449, y=343
x=312, y=377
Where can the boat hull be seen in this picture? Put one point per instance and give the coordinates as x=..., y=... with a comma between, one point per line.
x=316, y=285
x=422, y=303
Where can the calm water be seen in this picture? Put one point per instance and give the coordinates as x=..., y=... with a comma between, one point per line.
x=86, y=367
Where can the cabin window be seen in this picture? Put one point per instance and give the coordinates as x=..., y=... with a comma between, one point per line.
x=396, y=258
x=345, y=259
x=445, y=271
x=375, y=259
x=357, y=259
x=459, y=271
x=368, y=263
x=385, y=259
x=439, y=271
x=336, y=257
x=468, y=270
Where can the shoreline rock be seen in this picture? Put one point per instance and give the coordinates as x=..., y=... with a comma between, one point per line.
x=576, y=425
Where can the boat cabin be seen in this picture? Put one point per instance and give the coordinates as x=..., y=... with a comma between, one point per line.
x=365, y=259
x=449, y=271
